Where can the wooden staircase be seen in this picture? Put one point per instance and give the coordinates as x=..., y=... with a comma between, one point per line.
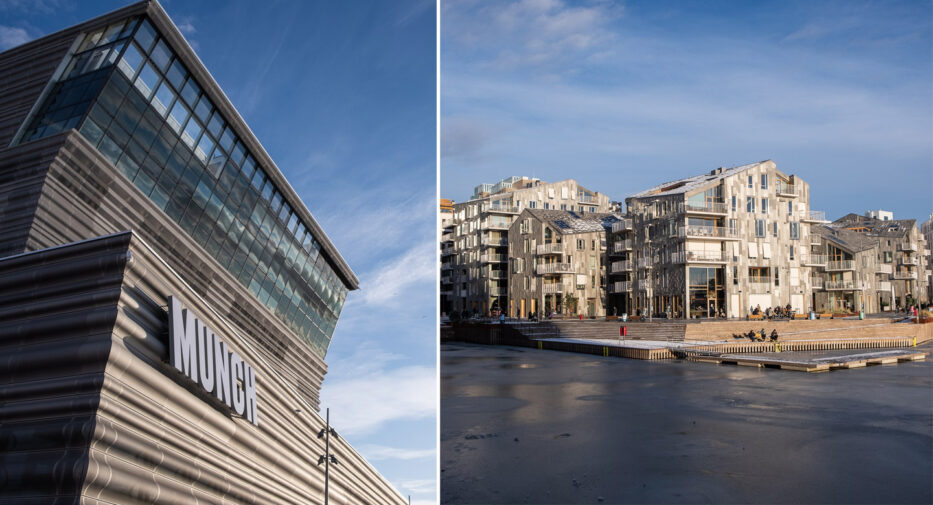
x=642, y=330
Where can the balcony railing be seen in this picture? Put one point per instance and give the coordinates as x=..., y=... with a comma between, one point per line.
x=543, y=249
x=498, y=274
x=705, y=208
x=908, y=261
x=446, y=279
x=447, y=292
x=445, y=267
x=494, y=242
x=844, y=286
x=902, y=275
x=447, y=251
x=623, y=225
x=759, y=287
x=816, y=240
x=622, y=245
x=494, y=225
x=498, y=291
x=700, y=257
x=620, y=266
x=836, y=266
x=708, y=232
x=817, y=282
x=785, y=189
x=500, y=209
x=587, y=199
x=884, y=286
x=885, y=268
x=814, y=260
x=553, y=288
x=554, y=268
x=909, y=246
x=494, y=258
x=645, y=263
x=620, y=287
x=815, y=216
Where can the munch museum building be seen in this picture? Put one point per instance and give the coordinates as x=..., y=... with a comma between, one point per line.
x=166, y=300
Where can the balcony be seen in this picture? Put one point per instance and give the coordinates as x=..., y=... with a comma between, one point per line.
x=445, y=267
x=844, y=286
x=499, y=209
x=494, y=242
x=908, y=261
x=620, y=266
x=884, y=286
x=544, y=249
x=620, y=287
x=494, y=225
x=885, y=268
x=708, y=232
x=814, y=260
x=498, y=274
x=554, y=268
x=907, y=247
x=838, y=266
x=587, y=199
x=716, y=208
x=700, y=257
x=446, y=279
x=447, y=251
x=787, y=190
x=447, y=292
x=816, y=240
x=816, y=282
x=901, y=275
x=498, y=291
x=621, y=246
x=815, y=216
x=623, y=225
x=759, y=287
x=552, y=288
x=494, y=258
x=644, y=263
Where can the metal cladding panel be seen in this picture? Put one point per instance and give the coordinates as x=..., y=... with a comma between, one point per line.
x=93, y=411
x=57, y=312
x=83, y=196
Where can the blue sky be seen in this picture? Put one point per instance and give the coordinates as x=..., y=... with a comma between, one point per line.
x=626, y=95
x=342, y=96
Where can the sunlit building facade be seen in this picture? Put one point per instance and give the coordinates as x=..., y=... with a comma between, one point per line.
x=168, y=299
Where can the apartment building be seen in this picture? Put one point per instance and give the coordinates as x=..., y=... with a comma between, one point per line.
x=926, y=229
x=901, y=253
x=724, y=241
x=846, y=272
x=445, y=219
x=480, y=237
x=557, y=262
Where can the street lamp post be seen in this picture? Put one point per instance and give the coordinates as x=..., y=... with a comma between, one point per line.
x=327, y=458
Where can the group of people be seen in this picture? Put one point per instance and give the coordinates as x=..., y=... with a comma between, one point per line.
x=757, y=336
x=776, y=313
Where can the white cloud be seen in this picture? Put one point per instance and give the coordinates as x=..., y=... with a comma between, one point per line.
x=363, y=403
x=415, y=269
x=381, y=452
x=418, y=486
x=12, y=36
x=186, y=26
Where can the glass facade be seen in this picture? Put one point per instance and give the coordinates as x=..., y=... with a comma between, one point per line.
x=134, y=100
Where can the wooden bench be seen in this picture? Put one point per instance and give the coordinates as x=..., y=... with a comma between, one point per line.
x=824, y=316
x=801, y=316
x=756, y=317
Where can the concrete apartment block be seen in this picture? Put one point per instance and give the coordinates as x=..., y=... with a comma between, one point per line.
x=555, y=255
x=901, y=256
x=479, y=253
x=725, y=241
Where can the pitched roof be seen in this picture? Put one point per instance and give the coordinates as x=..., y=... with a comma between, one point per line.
x=846, y=239
x=895, y=228
x=567, y=222
x=688, y=184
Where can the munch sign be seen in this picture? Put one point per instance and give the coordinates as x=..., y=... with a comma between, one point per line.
x=205, y=358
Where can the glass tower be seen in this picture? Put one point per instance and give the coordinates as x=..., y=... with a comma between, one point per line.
x=129, y=95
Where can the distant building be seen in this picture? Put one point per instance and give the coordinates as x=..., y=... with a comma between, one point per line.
x=900, y=250
x=927, y=230
x=480, y=245
x=725, y=241
x=447, y=243
x=509, y=183
x=881, y=215
x=555, y=255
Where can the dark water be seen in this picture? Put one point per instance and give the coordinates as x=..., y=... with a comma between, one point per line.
x=529, y=426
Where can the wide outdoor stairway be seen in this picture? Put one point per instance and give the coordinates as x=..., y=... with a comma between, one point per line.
x=654, y=330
